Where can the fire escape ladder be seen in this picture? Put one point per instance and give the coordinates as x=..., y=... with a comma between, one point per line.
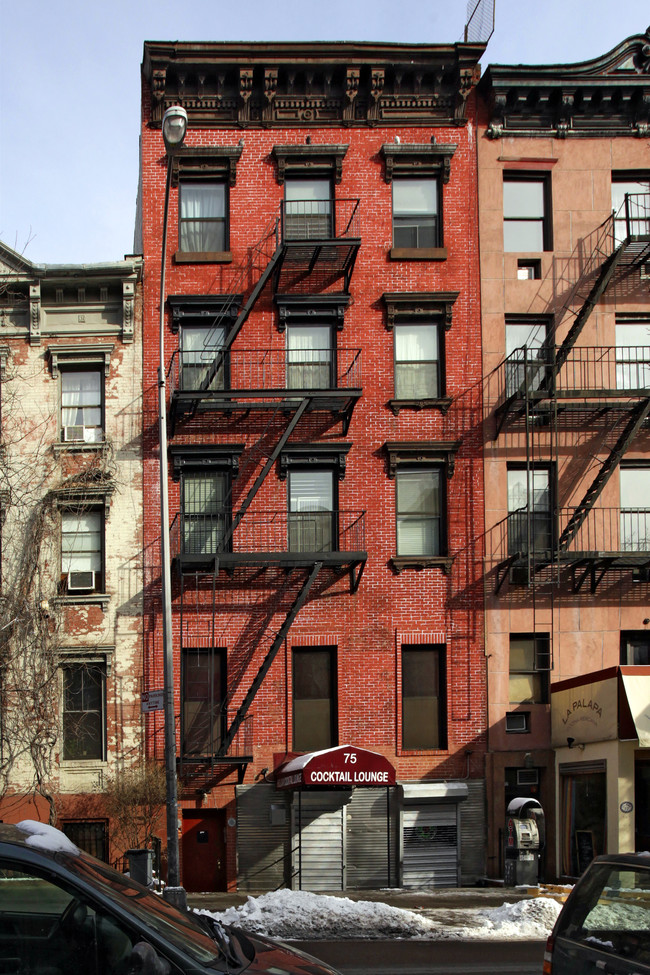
x=603, y=279
x=259, y=480
x=634, y=424
x=271, y=654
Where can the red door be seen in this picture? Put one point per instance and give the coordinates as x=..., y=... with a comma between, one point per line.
x=203, y=849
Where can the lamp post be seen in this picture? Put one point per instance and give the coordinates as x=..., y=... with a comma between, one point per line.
x=174, y=126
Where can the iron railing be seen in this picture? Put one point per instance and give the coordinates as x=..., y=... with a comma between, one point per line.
x=239, y=370
x=319, y=220
x=605, y=531
x=264, y=531
x=596, y=369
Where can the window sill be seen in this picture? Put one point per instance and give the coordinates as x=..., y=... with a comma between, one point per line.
x=400, y=562
x=87, y=764
x=77, y=447
x=93, y=599
x=203, y=257
x=418, y=254
x=442, y=403
x=414, y=752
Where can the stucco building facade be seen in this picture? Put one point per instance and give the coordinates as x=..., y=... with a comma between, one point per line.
x=71, y=497
x=564, y=203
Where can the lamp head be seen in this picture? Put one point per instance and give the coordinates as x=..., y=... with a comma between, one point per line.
x=174, y=127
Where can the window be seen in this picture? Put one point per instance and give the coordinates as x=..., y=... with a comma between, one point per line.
x=417, y=362
x=529, y=270
x=526, y=212
x=424, y=706
x=201, y=367
x=204, y=511
x=314, y=698
x=635, y=648
x=90, y=836
x=203, y=719
x=525, y=348
x=202, y=223
x=84, y=711
x=311, y=511
x=82, y=550
x=635, y=512
x=631, y=205
x=52, y=926
x=529, y=668
x=309, y=357
x=517, y=722
x=530, y=525
x=419, y=511
x=416, y=208
x=308, y=209
x=632, y=353
x=82, y=405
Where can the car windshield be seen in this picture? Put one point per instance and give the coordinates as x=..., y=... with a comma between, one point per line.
x=181, y=930
x=611, y=910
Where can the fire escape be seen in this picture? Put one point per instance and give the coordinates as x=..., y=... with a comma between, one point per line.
x=563, y=390
x=306, y=258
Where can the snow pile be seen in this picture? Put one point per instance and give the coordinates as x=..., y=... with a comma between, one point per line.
x=44, y=837
x=305, y=916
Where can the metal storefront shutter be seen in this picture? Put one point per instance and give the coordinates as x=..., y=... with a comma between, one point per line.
x=430, y=847
x=318, y=848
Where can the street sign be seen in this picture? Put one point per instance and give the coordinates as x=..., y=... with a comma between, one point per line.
x=152, y=701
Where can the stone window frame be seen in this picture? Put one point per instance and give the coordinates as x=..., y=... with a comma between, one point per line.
x=414, y=160
x=82, y=657
x=84, y=357
x=208, y=164
x=434, y=307
x=412, y=455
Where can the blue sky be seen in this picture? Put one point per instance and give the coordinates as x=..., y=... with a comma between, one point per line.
x=70, y=88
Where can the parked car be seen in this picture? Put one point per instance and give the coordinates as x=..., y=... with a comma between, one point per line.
x=62, y=912
x=604, y=925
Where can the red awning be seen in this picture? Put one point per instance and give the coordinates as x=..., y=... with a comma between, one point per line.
x=344, y=767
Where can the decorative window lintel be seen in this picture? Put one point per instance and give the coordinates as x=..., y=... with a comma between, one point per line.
x=80, y=355
x=318, y=455
x=204, y=309
x=419, y=305
x=102, y=654
x=208, y=162
x=413, y=454
x=308, y=160
x=206, y=456
x=86, y=494
x=417, y=159
x=298, y=308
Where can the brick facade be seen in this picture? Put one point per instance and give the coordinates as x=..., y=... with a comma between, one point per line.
x=414, y=604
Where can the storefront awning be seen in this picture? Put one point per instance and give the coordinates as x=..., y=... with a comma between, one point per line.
x=605, y=705
x=345, y=766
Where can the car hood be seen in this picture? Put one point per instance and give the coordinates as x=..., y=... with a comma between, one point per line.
x=277, y=957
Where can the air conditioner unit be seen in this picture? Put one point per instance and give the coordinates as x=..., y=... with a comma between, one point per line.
x=517, y=721
x=527, y=776
x=81, y=581
x=93, y=435
x=74, y=434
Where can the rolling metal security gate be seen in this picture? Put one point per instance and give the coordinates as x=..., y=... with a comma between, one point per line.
x=430, y=845
x=318, y=850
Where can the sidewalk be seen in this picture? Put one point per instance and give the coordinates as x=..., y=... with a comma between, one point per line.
x=425, y=899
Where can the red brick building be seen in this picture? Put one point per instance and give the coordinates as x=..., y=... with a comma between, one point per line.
x=325, y=474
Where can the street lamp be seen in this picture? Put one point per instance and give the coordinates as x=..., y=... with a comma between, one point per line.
x=174, y=126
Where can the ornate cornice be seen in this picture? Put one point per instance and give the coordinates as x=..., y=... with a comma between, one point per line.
x=204, y=309
x=324, y=307
x=311, y=84
x=426, y=453
x=607, y=96
x=224, y=457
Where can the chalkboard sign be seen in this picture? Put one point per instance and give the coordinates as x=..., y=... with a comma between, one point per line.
x=584, y=848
